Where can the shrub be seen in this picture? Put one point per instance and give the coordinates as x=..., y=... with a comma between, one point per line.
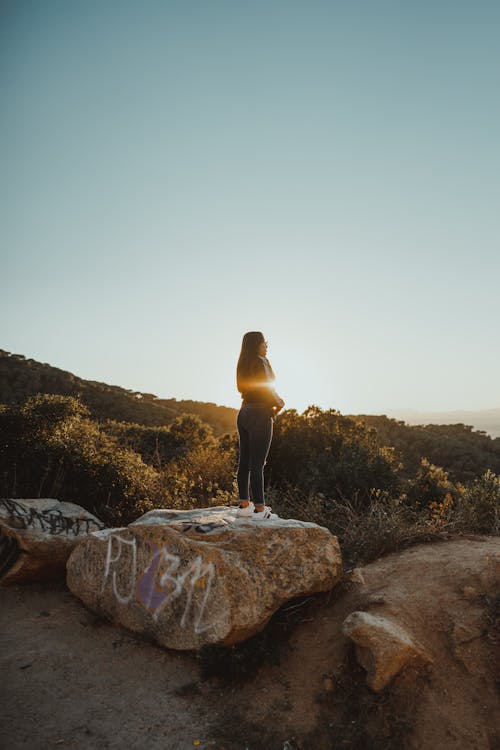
x=158, y=446
x=366, y=530
x=203, y=476
x=430, y=485
x=322, y=451
x=49, y=448
x=478, y=508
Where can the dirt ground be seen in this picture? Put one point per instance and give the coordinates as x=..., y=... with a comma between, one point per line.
x=70, y=679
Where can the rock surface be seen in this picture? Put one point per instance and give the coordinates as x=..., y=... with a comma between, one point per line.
x=383, y=647
x=190, y=578
x=37, y=537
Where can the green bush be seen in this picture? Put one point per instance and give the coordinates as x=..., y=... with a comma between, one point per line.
x=160, y=445
x=202, y=477
x=322, y=451
x=478, y=508
x=49, y=448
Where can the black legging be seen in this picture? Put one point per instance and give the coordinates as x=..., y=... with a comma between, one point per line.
x=255, y=430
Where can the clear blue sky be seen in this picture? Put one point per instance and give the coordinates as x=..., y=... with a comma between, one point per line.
x=177, y=173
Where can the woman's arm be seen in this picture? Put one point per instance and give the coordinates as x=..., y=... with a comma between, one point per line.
x=276, y=401
x=260, y=389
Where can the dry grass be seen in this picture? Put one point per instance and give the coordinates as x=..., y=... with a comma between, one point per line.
x=371, y=528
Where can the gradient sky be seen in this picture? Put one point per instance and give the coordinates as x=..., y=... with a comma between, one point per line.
x=174, y=174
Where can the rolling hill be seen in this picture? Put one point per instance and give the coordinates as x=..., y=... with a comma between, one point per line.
x=21, y=378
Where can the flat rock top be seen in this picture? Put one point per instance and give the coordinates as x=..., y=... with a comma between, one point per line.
x=215, y=520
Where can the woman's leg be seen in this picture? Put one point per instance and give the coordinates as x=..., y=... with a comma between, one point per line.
x=243, y=474
x=261, y=434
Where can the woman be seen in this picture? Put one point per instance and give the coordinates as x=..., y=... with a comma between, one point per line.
x=261, y=403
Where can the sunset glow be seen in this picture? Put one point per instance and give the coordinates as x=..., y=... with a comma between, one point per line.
x=166, y=189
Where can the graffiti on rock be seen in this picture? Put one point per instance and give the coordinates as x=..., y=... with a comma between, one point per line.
x=52, y=521
x=111, y=559
x=202, y=528
x=163, y=580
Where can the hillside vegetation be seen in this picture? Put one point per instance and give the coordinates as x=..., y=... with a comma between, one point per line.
x=21, y=378
x=463, y=451
x=322, y=467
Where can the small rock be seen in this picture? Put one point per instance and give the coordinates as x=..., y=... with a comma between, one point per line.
x=356, y=577
x=383, y=647
x=469, y=592
x=375, y=599
x=328, y=683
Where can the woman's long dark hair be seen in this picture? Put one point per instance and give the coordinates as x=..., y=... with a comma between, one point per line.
x=248, y=362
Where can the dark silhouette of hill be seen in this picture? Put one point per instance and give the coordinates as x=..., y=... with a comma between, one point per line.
x=21, y=378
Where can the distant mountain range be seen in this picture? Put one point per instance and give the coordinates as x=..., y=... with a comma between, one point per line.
x=483, y=419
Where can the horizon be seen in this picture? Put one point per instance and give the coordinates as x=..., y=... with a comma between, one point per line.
x=486, y=420
x=391, y=413
x=175, y=176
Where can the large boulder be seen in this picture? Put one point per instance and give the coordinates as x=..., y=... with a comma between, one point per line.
x=37, y=537
x=190, y=578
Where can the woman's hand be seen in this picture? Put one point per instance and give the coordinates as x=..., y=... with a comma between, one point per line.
x=278, y=406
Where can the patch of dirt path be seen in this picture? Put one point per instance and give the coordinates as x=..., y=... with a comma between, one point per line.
x=69, y=679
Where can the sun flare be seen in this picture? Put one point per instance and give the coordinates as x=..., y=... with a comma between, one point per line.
x=297, y=378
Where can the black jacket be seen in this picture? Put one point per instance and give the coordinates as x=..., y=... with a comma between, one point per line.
x=261, y=391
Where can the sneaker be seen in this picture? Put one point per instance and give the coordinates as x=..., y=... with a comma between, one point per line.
x=248, y=510
x=264, y=515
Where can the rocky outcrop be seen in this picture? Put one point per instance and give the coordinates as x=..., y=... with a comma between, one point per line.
x=190, y=578
x=37, y=537
x=383, y=647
